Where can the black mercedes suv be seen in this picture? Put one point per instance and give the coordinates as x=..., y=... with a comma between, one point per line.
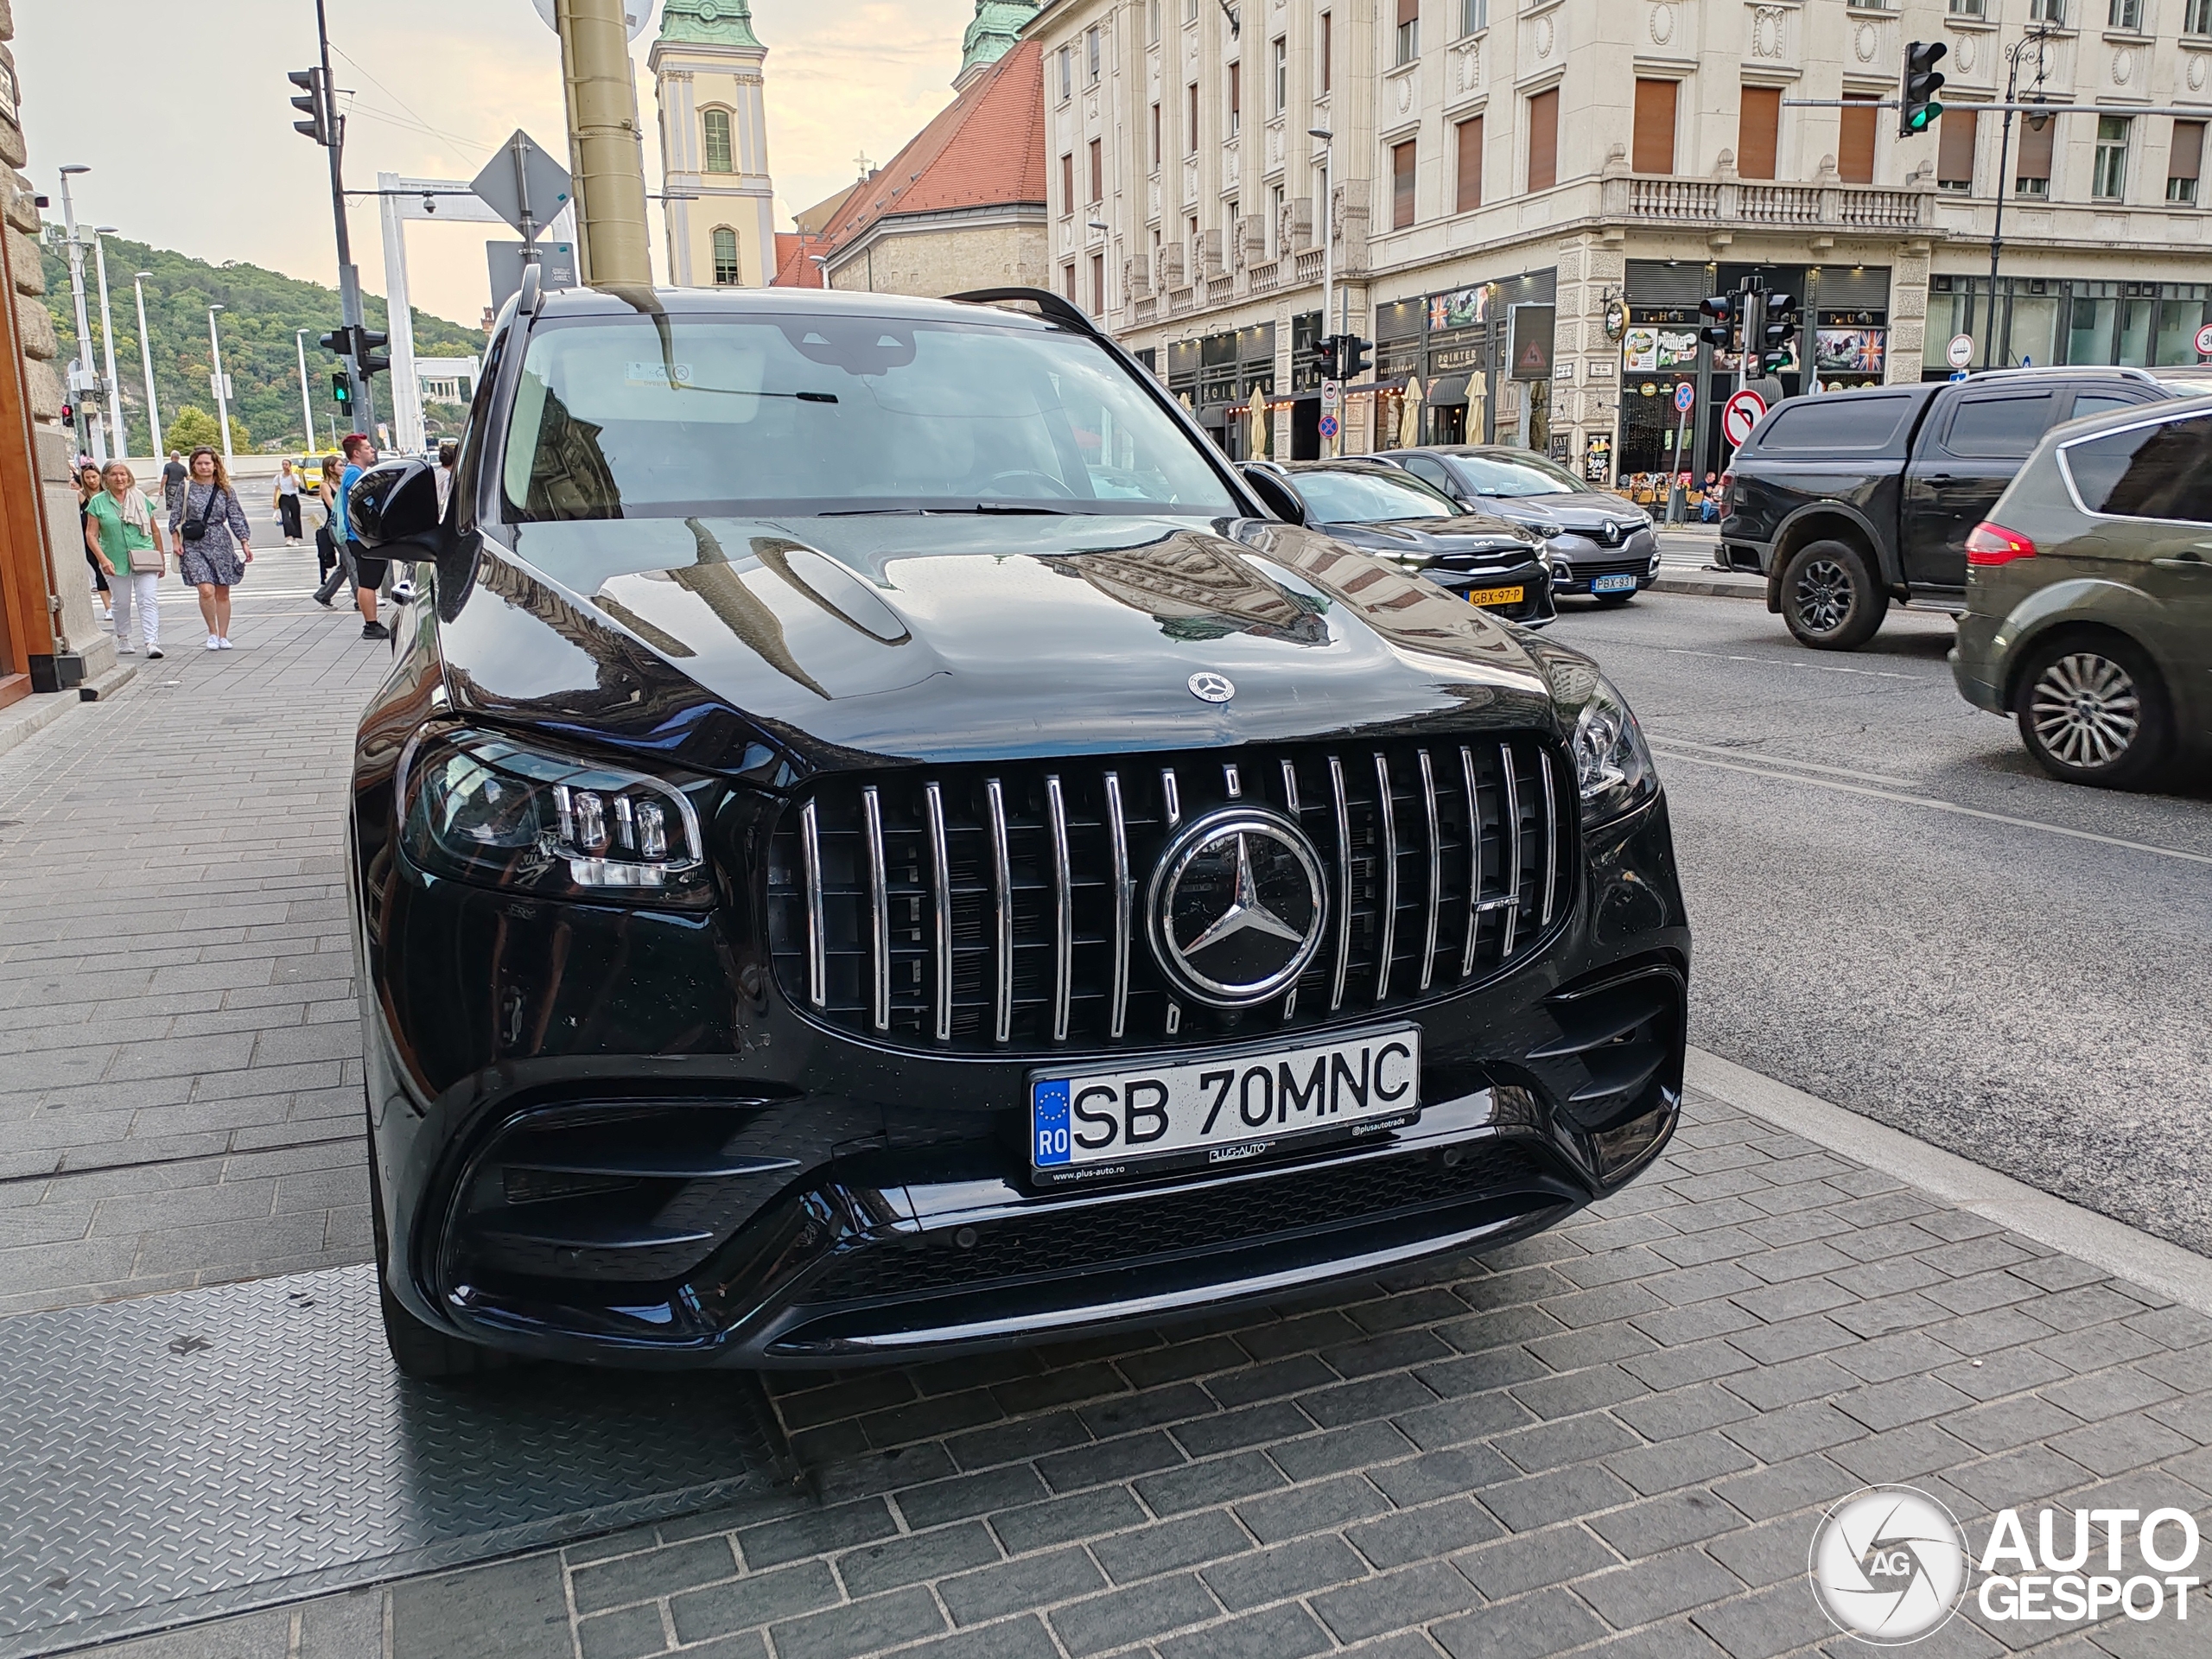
x=875, y=842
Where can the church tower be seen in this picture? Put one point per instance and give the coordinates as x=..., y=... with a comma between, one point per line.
x=713, y=145
x=991, y=34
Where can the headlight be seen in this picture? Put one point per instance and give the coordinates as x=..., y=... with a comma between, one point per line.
x=1614, y=770
x=483, y=807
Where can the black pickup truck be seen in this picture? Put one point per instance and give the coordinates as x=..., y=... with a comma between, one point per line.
x=1846, y=501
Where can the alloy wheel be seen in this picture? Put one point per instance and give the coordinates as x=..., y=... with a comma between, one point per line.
x=2085, y=709
x=1823, y=595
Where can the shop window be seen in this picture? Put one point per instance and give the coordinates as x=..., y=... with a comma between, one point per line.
x=1401, y=186
x=1955, y=141
x=726, y=273
x=1759, y=132
x=2031, y=173
x=1543, y=140
x=1098, y=172
x=1408, y=35
x=2109, y=181
x=2184, y=160
x=1854, y=150
x=1470, y=170
x=714, y=127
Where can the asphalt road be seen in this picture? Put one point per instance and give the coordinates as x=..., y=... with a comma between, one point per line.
x=1896, y=910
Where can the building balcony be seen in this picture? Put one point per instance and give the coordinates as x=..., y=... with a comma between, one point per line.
x=1725, y=203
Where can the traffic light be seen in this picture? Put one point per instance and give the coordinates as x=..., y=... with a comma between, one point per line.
x=1919, y=111
x=342, y=389
x=338, y=341
x=1776, y=350
x=367, y=342
x=312, y=103
x=1351, y=356
x=68, y=414
x=1324, y=357
x=1719, y=330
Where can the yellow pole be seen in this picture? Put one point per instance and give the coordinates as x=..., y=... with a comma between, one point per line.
x=609, y=178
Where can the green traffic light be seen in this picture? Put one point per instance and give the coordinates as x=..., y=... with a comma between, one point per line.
x=1925, y=116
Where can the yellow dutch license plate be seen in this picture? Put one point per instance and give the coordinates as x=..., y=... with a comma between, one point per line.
x=1495, y=595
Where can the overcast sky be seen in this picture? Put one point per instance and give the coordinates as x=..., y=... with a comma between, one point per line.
x=181, y=111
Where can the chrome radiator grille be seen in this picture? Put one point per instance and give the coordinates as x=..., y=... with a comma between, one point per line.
x=998, y=908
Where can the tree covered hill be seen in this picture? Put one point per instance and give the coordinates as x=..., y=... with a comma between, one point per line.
x=261, y=309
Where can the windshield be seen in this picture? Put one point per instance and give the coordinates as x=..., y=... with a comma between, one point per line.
x=1370, y=498
x=1515, y=475
x=794, y=415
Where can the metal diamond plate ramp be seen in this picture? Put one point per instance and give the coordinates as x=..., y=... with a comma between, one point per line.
x=193, y=1454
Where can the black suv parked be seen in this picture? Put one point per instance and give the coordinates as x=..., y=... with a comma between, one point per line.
x=876, y=842
x=1598, y=543
x=1848, y=501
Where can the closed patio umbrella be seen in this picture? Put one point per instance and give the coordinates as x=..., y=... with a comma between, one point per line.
x=1255, y=444
x=1409, y=414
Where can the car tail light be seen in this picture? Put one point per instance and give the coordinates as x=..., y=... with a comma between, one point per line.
x=1727, y=493
x=1990, y=543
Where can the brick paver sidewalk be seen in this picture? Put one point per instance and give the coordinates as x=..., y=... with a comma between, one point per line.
x=1616, y=1436
x=179, y=1098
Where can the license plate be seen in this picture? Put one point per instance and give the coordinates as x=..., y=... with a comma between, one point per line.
x=1222, y=1109
x=1495, y=595
x=1612, y=584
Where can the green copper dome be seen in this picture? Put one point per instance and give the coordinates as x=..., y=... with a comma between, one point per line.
x=710, y=23
x=991, y=35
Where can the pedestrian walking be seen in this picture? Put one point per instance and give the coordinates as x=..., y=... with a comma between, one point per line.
x=172, y=477
x=129, y=546
x=328, y=558
x=338, y=472
x=215, y=545
x=449, y=461
x=369, y=571
x=88, y=486
x=288, y=502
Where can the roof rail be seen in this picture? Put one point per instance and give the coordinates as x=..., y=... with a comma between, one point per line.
x=1048, y=304
x=2128, y=370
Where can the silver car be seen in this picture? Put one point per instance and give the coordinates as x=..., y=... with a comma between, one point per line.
x=1597, y=543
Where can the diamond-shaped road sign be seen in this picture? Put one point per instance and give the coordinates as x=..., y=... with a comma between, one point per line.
x=522, y=184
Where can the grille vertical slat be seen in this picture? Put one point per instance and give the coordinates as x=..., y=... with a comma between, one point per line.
x=879, y=913
x=1056, y=807
x=1435, y=871
x=1512, y=870
x=1343, y=883
x=992, y=908
x=1002, y=914
x=1117, y=836
x=817, y=967
x=941, y=910
x=1385, y=823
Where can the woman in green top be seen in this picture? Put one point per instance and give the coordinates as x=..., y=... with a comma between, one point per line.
x=131, y=549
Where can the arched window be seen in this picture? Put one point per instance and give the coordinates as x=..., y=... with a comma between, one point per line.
x=716, y=124
x=725, y=257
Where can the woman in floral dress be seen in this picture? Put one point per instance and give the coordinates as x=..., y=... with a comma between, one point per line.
x=213, y=561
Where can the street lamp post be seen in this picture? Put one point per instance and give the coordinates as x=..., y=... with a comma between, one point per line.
x=222, y=392
x=1328, y=244
x=2036, y=38
x=83, y=370
x=146, y=363
x=306, y=402
x=122, y=433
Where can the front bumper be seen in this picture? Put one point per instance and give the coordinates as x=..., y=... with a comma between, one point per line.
x=706, y=1178
x=1534, y=609
x=1577, y=561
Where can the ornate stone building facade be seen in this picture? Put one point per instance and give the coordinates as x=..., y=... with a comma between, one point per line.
x=720, y=201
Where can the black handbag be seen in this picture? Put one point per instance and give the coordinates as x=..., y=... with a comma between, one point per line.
x=194, y=528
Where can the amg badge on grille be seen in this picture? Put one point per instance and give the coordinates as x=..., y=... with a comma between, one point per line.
x=1236, y=906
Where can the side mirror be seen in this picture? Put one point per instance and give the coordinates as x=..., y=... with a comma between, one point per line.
x=395, y=501
x=1273, y=495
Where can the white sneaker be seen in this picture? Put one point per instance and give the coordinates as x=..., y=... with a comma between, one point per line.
x=213, y=644
x=223, y=643
x=126, y=650
x=153, y=653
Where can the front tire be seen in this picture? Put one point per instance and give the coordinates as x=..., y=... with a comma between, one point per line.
x=2094, y=712
x=1830, y=597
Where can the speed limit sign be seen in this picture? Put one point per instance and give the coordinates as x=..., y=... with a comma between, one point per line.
x=1739, y=414
x=2204, y=340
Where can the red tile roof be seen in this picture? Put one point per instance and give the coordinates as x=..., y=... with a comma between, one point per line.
x=795, y=267
x=983, y=150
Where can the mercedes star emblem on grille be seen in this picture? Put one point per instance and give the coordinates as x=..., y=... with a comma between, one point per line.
x=1209, y=687
x=1236, y=906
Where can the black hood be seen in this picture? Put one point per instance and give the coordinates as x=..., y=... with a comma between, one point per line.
x=1429, y=538
x=839, y=642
